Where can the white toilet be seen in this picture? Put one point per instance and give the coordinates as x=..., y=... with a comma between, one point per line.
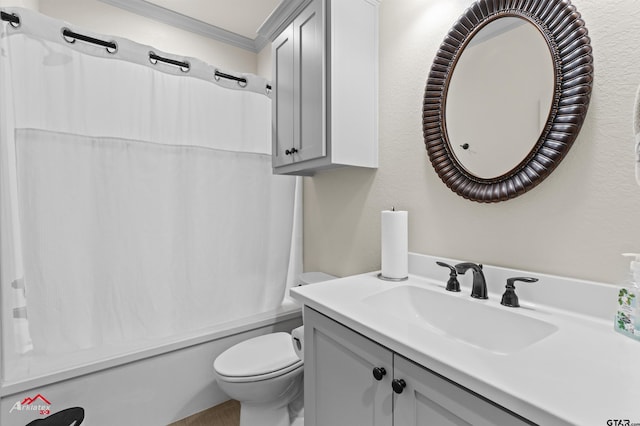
x=264, y=374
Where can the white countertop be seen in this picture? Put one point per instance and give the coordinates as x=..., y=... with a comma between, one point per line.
x=585, y=373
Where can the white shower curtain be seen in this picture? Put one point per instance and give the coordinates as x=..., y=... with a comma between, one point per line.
x=137, y=200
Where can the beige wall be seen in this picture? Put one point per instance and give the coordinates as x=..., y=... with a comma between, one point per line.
x=575, y=223
x=264, y=62
x=109, y=20
x=28, y=4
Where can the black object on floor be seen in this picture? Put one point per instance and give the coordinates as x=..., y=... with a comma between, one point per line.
x=62, y=418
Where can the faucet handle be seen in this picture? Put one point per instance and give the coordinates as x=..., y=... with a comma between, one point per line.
x=452, y=284
x=510, y=298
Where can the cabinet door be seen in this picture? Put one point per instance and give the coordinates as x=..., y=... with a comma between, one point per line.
x=429, y=399
x=309, y=78
x=283, y=101
x=339, y=385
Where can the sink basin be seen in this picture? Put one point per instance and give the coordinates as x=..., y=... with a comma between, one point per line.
x=494, y=328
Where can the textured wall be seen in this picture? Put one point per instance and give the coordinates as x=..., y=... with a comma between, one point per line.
x=575, y=223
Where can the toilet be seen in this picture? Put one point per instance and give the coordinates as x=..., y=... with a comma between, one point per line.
x=264, y=374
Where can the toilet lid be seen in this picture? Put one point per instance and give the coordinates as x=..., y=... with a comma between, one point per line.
x=257, y=356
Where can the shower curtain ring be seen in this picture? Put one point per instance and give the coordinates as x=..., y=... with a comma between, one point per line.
x=15, y=23
x=66, y=38
x=113, y=49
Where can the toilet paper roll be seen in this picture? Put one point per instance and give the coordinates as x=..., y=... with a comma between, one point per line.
x=297, y=338
x=395, y=244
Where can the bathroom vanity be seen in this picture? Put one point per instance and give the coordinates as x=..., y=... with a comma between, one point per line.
x=352, y=380
x=408, y=353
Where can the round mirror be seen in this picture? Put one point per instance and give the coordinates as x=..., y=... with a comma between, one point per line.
x=506, y=96
x=499, y=97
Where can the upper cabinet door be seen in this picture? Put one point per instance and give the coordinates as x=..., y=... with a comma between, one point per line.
x=309, y=81
x=299, y=112
x=283, y=101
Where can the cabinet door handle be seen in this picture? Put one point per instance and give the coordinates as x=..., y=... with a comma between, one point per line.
x=379, y=373
x=398, y=385
x=290, y=151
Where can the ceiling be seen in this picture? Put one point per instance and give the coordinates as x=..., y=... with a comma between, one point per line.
x=248, y=24
x=242, y=17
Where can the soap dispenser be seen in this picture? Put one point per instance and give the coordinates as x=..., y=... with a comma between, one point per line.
x=627, y=319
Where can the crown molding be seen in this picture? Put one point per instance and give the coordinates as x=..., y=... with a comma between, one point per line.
x=278, y=20
x=269, y=29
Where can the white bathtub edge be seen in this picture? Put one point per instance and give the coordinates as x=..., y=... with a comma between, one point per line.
x=288, y=310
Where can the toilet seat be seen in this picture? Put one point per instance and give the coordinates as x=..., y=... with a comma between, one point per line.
x=257, y=378
x=259, y=358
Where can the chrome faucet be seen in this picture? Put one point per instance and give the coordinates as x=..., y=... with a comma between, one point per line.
x=479, y=289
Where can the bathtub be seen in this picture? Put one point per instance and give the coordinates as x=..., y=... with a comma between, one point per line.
x=151, y=386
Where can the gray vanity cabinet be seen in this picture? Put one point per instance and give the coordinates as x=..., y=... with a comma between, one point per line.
x=325, y=81
x=429, y=399
x=340, y=387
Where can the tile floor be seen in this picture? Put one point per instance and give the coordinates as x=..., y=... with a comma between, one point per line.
x=225, y=414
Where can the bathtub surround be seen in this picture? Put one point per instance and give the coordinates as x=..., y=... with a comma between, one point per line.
x=575, y=223
x=139, y=208
x=153, y=387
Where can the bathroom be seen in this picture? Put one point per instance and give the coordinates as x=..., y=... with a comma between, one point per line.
x=575, y=223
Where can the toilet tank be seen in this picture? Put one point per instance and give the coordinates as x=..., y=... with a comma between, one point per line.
x=314, y=277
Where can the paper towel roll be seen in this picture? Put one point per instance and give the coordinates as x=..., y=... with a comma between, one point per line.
x=395, y=244
x=297, y=338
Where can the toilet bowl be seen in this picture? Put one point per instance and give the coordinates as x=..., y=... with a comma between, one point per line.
x=265, y=375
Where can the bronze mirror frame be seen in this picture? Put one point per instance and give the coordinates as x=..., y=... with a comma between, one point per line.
x=566, y=35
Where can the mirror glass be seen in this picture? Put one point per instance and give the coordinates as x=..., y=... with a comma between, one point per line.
x=499, y=97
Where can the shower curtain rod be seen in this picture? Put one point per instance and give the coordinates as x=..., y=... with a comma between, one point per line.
x=112, y=47
x=184, y=65
x=66, y=32
x=241, y=80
